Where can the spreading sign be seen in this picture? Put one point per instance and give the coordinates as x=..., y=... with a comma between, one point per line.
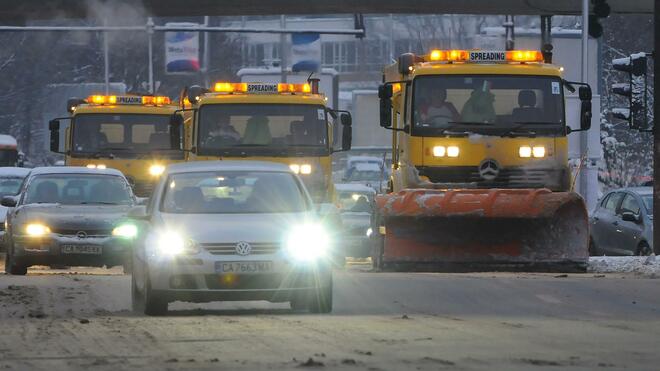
x=487, y=56
x=181, y=51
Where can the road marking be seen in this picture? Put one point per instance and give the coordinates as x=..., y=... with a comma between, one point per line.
x=549, y=299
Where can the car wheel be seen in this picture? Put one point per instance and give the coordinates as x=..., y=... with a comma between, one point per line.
x=127, y=264
x=137, y=301
x=593, y=249
x=12, y=266
x=153, y=305
x=643, y=249
x=321, y=300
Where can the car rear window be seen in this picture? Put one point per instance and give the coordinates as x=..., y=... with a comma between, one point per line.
x=233, y=192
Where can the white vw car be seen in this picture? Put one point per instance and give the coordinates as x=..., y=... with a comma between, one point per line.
x=230, y=230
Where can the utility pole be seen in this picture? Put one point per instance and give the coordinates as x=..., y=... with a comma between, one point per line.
x=283, y=61
x=584, y=135
x=150, y=34
x=206, y=55
x=106, y=62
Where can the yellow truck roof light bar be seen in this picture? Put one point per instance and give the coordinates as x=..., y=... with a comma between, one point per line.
x=261, y=88
x=146, y=100
x=484, y=56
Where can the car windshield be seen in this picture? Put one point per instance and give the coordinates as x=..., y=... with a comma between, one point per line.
x=233, y=192
x=10, y=186
x=265, y=128
x=121, y=134
x=487, y=104
x=78, y=189
x=355, y=201
x=648, y=202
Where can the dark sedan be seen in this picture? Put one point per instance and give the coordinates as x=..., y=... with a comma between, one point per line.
x=622, y=223
x=69, y=216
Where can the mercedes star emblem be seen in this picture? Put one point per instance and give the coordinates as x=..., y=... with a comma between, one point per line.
x=489, y=169
x=243, y=248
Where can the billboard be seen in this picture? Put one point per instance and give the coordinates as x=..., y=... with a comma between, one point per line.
x=181, y=50
x=306, y=52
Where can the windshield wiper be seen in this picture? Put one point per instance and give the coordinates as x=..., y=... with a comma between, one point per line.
x=514, y=129
x=98, y=203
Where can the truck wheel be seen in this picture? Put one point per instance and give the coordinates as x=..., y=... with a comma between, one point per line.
x=321, y=300
x=12, y=266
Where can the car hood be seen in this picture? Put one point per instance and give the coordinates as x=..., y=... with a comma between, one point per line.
x=71, y=217
x=231, y=228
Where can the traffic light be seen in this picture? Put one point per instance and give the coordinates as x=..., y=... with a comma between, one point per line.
x=634, y=90
x=599, y=10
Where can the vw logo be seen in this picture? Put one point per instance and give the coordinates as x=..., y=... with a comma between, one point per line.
x=243, y=248
x=81, y=234
x=489, y=169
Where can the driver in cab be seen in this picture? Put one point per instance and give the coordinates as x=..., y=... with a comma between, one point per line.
x=223, y=133
x=438, y=112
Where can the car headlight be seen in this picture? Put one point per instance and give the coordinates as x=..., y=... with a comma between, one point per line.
x=125, y=231
x=305, y=169
x=442, y=151
x=36, y=230
x=156, y=170
x=307, y=242
x=172, y=243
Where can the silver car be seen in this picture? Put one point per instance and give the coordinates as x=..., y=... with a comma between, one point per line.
x=230, y=230
x=11, y=180
x=622, y=223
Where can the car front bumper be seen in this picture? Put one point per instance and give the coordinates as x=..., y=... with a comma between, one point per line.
x=51, y=250
x=195, y=278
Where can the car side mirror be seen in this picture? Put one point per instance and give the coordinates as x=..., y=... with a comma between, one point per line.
x=628, y=216
x=138, y=213
x=176, y=122
x=8, y=201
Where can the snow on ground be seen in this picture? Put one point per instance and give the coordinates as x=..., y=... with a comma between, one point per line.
x=646, y=265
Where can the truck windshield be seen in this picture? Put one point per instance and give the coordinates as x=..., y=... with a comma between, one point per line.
x=226, y=129
x=488, y=104
x=122, y=135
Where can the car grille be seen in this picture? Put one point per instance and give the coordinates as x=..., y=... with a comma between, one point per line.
x=89, y=232
x=230, y=248
x=507, y=178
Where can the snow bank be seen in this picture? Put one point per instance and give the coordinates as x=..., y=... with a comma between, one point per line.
x=646, y=265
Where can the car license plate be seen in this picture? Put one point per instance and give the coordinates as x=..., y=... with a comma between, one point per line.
x=81, y=249
x=244, y=267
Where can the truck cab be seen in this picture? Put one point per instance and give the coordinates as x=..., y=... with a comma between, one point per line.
x=128, y=133
x=286, y=123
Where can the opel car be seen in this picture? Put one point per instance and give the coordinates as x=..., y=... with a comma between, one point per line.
x=69, y=216
x=227, y=231
x=11, y=179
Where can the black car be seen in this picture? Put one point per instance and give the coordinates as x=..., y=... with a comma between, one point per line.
x=622, y=223
x=69, y=216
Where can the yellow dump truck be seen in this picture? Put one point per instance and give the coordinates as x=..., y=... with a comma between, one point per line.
x=128, y=133
x=287, y=123
x=480, y=176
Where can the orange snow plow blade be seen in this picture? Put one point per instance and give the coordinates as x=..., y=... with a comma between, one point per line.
x=483, y=229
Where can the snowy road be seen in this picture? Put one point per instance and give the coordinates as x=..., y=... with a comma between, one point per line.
x=55, y=320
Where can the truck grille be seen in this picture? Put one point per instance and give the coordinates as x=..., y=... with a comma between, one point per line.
x=258, y=248
x=507, y=178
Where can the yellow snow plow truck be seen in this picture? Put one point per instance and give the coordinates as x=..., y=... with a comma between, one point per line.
x=480, y=176
x=129, y=133
x=286, y=123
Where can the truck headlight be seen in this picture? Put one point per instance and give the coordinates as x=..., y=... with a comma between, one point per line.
x=127, y=231
x=36, y=230
x=307, y=242
x=442, y=151
x=156, y=170
x=538, y=151
x=96, y=166
x=301, y=168
x=525, y=151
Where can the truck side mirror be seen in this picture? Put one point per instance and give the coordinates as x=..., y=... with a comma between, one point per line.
x=346, y=119
x=194, y=93
x=585, y=107
x=385, y=93
x=176, y=122
x=54, y=127
x=346, y=136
